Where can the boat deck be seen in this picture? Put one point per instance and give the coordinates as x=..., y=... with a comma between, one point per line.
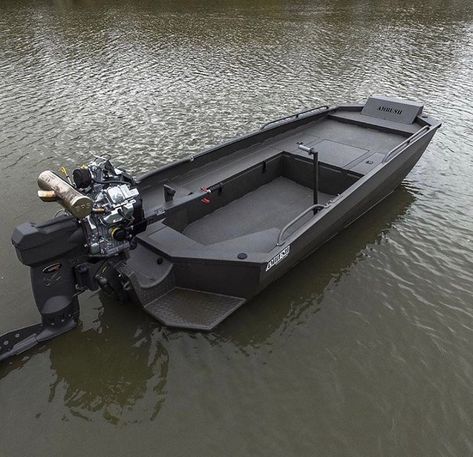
x=254, y=220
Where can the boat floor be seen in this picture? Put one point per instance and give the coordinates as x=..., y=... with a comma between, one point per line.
x=252, y=223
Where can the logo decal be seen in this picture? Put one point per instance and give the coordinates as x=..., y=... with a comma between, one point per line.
x=278, y=258
x=52, y=274
x=52, y=268
x=388, y=109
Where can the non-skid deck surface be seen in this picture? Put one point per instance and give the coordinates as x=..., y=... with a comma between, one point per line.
x=187, y=308
x=254, y=220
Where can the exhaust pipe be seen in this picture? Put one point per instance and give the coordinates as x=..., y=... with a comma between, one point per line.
x=54, y=188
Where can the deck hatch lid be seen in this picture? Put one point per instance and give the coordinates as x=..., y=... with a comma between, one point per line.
x=337, y=154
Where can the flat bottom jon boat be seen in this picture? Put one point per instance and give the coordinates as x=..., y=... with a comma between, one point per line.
x=194, y=240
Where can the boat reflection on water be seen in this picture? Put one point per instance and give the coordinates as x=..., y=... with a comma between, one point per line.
x=298, y=294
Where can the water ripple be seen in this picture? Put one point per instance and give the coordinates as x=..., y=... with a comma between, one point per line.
x=366, y=346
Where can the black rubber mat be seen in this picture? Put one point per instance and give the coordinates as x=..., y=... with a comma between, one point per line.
x=192, y=309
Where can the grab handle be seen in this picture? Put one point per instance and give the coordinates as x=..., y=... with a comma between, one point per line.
x=296, y=115
x=315, y=207
x=412, y=139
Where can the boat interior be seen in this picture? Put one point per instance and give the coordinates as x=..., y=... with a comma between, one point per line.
x=263, y=181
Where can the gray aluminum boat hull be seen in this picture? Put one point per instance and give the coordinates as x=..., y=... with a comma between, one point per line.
x=197, y=266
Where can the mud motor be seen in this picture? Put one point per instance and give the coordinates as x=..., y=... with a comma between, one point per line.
x=75, y=251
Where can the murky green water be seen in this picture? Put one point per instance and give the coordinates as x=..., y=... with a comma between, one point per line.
x=366, y=349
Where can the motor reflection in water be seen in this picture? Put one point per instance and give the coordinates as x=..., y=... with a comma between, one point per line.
x=119, y=375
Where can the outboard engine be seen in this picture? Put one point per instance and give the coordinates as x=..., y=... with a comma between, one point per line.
x=76, y=251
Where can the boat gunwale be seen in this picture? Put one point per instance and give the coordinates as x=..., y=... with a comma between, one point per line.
x=253, y=134
x=303, y=118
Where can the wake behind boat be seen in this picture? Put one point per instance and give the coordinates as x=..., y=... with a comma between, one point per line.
x=194, y=240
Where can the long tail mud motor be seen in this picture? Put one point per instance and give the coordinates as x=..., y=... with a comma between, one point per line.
x=75, y=251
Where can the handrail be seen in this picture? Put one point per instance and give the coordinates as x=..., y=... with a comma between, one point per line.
x=308, y=210
x=296, y=115
x=412, y=139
